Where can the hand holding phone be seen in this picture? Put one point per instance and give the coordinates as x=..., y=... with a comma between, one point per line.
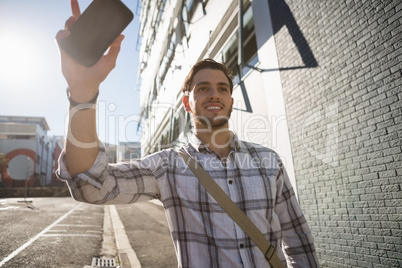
x=95, y=30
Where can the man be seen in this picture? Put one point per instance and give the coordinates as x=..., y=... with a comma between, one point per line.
x=251, y=175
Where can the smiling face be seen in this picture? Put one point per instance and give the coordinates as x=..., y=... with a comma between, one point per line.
x=210, y=100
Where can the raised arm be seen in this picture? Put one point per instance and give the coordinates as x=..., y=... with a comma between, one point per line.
x=83, y=82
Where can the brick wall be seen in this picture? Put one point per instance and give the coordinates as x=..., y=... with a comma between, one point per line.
x=341, y=73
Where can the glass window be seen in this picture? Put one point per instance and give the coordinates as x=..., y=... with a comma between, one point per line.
x=230, y=51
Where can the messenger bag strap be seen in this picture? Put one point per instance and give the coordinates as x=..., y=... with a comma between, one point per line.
x=232, y=210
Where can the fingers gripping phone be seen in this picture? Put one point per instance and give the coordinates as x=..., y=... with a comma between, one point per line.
x=95, y=30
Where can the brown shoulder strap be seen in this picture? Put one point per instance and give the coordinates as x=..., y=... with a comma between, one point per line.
x=232, y=210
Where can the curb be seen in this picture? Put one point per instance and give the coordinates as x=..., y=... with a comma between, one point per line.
x=127, y=256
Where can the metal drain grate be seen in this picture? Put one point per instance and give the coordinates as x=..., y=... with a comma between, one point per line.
x=102, y=262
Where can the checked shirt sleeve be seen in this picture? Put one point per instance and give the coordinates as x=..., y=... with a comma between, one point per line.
x=297, y=240
x=106, y=183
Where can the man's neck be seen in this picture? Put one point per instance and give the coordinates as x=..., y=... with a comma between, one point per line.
x=217, y=140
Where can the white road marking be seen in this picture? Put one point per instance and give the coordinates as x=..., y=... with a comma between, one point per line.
x=54, y=235
x=94, y=231
x=80, y=225
x=82, y=217
x=17, y=251
x=10, y=207
x=58, y=232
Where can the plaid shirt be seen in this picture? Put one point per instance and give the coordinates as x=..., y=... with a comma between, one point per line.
x=203, y=234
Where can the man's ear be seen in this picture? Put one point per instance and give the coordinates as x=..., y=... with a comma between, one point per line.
x=232, y=104
x=186, y=104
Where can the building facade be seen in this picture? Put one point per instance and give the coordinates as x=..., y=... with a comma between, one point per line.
x=317, y=81
x=28, y=150
x=126, y=151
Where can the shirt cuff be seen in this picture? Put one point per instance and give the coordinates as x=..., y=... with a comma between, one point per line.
x=99, y=165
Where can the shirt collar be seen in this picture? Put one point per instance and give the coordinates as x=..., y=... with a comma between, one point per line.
x=199, y=146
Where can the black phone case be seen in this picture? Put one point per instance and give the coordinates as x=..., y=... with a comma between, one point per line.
x=95, y=30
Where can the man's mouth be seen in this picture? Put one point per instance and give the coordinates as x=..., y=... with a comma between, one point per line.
x=213, y=108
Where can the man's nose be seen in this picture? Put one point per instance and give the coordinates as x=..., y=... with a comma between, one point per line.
x=213, y=93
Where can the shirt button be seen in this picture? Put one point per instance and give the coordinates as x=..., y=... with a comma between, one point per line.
x=241, y=246
x=230, y=181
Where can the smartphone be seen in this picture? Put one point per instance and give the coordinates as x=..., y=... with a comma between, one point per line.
x=95, y=30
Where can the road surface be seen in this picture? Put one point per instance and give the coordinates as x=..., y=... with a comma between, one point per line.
x=60, y=232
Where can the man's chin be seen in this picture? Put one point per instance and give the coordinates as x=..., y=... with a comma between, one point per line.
x=213, y=123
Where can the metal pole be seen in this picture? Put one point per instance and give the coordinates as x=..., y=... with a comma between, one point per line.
x=26, y=181
x=240, y=58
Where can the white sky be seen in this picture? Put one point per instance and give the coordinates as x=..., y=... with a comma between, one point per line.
x=31, y=82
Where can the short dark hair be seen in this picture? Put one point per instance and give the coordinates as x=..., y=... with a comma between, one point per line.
x=207, y=64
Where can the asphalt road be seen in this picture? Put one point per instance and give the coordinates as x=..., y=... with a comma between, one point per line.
x=60, y=232
x=148, y=232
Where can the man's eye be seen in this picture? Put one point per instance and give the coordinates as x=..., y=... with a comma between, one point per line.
x=202, y=89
